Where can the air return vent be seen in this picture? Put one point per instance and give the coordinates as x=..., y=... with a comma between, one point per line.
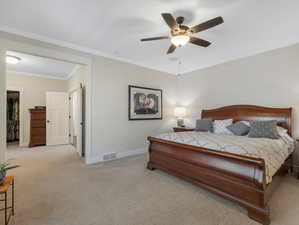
x=109, y=156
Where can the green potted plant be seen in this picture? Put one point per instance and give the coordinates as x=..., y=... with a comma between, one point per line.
x=3, y=168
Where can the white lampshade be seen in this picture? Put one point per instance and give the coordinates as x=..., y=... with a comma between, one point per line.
x=180, y=40
x=180, y=112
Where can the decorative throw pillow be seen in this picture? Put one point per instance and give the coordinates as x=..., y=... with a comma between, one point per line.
x=263, y=129
x=220, y=126
x=239, y=128
x=205, y=125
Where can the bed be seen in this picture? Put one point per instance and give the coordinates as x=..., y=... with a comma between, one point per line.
x=239, y=178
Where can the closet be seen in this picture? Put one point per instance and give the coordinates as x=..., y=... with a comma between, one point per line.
x=13, y=116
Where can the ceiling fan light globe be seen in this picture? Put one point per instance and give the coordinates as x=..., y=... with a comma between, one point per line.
x=180, y=40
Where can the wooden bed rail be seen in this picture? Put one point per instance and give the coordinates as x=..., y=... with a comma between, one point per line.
x=236, y=178
x=249, y=170
x=257, y=161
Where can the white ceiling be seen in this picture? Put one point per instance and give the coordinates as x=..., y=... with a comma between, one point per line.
x=41, y=66
x=113, y=28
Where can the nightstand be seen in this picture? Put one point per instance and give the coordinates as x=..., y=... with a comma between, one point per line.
x=296, y=166
x=183, y=129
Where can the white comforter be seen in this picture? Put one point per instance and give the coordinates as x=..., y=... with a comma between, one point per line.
x=274, y=152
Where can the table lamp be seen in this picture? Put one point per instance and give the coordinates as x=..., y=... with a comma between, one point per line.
x=180, y=113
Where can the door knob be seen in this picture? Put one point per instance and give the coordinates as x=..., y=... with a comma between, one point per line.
x=48, y=121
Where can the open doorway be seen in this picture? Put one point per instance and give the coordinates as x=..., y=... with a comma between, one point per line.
x=77, y=118
x=13, y=117
x=42, y=113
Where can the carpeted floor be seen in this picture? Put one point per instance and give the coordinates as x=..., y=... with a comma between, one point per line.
x=54, y=187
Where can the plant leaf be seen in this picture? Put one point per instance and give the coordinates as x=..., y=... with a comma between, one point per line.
x=11, y=167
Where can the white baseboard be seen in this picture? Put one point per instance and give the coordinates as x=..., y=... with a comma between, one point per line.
x=119, y=155
x=131, y=153
x=93, y=160
x=24, y=144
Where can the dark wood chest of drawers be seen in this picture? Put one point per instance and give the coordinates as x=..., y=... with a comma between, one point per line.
x=37, y=127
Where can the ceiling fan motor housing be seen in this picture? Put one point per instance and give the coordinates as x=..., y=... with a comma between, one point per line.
x=180, y=20
x=181, y=30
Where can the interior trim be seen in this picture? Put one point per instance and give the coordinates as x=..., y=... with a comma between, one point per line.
x=80, y=48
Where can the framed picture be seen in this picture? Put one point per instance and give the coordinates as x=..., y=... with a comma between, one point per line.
x=145, y=103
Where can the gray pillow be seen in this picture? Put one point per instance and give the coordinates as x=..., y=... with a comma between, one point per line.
x=239, y=128
x=205, y=125
x=263, y=129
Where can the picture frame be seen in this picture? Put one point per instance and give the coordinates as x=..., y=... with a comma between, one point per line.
x=145, y=103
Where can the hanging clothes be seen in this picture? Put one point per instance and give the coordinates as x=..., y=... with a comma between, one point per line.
x=12, y=116
x=15, y=111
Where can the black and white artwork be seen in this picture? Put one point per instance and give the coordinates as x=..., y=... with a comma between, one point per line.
x=145, y=103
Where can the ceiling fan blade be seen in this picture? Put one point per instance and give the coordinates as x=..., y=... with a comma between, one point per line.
x=200, y=42
x=170, y=20
x=154, y=38
x=171, y=49
x=206, y=25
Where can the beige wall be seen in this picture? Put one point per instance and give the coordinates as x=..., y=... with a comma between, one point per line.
x=269, y=79
x=111, y=129
x=107, y=125
x=33, y=93
x=21, y=44
x=78, y=77
x=3, y=105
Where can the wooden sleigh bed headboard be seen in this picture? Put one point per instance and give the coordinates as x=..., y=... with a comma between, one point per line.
x=252, y=112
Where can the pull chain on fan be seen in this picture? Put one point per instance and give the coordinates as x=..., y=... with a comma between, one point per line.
x=179, y=67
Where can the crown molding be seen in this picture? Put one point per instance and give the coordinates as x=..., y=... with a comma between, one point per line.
x=232, y=59
x=91, y=51
x=75, y=69
x=45, y=76
x=69, y=45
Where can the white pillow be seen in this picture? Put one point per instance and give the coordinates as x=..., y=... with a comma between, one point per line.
x=220, y=126
x=283, y=133
x=246, y=122
x=281, y=130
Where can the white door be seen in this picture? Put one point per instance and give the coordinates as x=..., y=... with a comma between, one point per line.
x=77, y=119
x=57, y=104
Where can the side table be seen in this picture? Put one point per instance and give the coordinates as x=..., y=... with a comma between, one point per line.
x=296, y=166
x=8, y=182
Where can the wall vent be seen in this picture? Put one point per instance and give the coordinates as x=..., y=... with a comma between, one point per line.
x=109, y=156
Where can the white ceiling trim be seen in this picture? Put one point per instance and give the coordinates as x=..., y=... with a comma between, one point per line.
x=38, y=75
x=241, y=57
x=76, y=68
x=72, y=46
x=111, y=56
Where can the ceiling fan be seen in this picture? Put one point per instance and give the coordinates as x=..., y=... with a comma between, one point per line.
x=181, y=34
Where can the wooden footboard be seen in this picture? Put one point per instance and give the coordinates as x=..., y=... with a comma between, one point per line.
x=237, y=178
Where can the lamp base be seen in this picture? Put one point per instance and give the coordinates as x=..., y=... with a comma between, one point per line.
x=180, y=123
